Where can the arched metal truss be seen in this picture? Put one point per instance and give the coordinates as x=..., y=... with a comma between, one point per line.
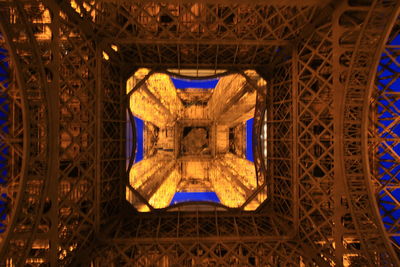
x=332, y=159
x=381, y=131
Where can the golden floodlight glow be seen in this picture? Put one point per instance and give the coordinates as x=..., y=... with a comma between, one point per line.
x=194, y=139
x=106, y=56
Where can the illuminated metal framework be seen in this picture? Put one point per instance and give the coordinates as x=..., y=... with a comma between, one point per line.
x=201, y=160
x=332, y=164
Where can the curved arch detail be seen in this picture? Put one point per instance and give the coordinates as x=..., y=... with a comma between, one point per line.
x=381, y=133
x=28, y=209
x=356, y=84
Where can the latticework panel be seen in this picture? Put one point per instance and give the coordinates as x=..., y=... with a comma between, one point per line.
x=315, y=153
x=78, y=153
x=203, y=238
x=279, y=144
x=196, y=35
x=111, y=118
x=231, y=253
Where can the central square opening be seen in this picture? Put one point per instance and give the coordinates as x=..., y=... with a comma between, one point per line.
x=191, y=140
x=195, y=141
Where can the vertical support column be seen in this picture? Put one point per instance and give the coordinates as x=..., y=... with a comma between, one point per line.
x=295, y=135
x=339, y=199
x=98, y=138
x=123, y=99
x=213, y=139
x=54, y=137
x=270, y=143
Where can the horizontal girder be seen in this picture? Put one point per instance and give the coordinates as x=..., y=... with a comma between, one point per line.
x=230, y=2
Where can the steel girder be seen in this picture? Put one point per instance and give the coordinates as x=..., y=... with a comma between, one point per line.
x=66, y=158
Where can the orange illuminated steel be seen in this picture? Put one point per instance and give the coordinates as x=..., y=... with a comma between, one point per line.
x=189, y=138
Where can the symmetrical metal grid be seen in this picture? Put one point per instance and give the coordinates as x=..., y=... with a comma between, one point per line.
x=332, y=102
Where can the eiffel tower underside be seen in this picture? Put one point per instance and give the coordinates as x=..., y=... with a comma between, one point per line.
x=332, y=167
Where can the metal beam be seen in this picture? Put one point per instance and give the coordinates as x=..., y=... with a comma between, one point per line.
x=237, y=238
x=296, y=3
x=194, y=41
x=151, y=185
x=234, y=176
x=157, y=101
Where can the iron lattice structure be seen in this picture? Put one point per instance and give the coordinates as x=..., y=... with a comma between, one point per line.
x=332, y=161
